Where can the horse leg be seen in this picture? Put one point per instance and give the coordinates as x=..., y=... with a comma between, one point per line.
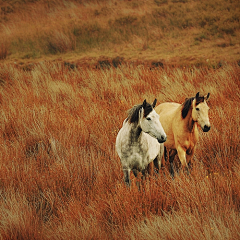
x=144, y=174
x=182, y=157
x=150, y=169
x=189, y=157
x=156, y=164
x=165, y=153
x=135, y=172
x=126, y=173
x=158, y=160
x=144, y=177
x=172, y=154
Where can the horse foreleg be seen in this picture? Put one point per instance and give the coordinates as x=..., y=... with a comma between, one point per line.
x=150, y=169
x=126, y=173
x=182, y=158
x=172, y=154
x=165, y=153
x=158, y=160
x=189, y=157
x=157, y=164
x=135, y=172
x=144, y=174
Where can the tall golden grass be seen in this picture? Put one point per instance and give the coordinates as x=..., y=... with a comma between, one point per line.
x=60, y=177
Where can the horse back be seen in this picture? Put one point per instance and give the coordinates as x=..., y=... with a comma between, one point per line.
x=167, y=109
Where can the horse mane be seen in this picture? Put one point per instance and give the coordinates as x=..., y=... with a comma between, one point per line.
x=188, y=103
x=186, y=106
x=133, y=113
x=199, y=100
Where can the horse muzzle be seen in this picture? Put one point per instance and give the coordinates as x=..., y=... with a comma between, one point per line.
x=162, y=139
x=206, y=128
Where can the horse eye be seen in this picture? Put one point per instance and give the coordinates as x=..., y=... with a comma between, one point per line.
x=197, y=109
x=148, y=118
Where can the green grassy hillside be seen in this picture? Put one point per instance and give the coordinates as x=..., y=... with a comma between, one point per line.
x=169, y=31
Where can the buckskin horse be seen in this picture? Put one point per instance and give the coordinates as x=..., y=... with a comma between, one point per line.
x=180, y=123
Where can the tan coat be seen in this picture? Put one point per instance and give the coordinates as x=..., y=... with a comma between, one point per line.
x=180, y=123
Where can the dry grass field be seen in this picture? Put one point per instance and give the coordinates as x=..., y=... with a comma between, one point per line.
x=179, y=32
x=60, y=177
x=62, y=105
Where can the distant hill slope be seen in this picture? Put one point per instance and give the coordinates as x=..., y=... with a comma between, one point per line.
x=167, y=31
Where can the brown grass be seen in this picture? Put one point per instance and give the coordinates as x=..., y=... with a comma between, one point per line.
x=60, y=175
x=170, y=31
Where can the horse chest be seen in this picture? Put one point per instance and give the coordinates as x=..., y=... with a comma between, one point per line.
x=188, y=141
x=139, y=155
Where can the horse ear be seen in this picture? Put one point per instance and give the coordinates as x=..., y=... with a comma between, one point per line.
x=207, y=97
x=154, y=103
x=197, y=95
x=141, y=113
x=144, y=103
x=199, y=98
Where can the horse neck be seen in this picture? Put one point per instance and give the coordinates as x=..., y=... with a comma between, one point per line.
x=189, y=123
x=135, y=132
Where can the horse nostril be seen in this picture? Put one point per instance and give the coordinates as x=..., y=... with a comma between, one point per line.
x=162, y=139
x=206, y=128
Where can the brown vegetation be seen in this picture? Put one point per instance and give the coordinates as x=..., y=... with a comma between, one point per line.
x=170, y=31
x=60, y=177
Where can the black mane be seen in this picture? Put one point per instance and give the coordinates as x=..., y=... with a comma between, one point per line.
x=133, y=113
x=186, y=106
x=188, y=103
